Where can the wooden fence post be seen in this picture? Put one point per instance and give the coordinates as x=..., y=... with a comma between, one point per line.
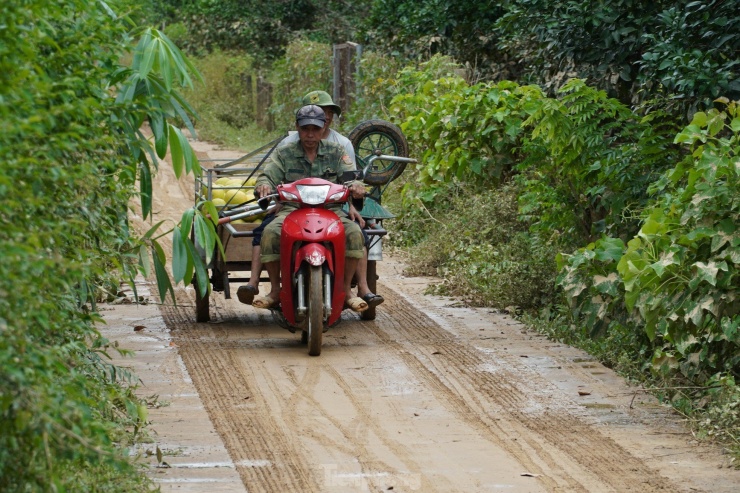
x=345, y=62
x=264, y=100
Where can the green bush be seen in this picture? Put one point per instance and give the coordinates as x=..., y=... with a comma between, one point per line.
x=674, y=284
x=65, y=413
x=72, y=153
x=481, y=250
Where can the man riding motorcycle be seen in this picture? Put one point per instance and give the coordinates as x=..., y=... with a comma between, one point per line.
x=309, y=157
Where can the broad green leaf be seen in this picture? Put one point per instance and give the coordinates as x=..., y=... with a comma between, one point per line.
x=144, y=260
x=186, y=222
x=161, y=137
x=700, y=119
x=652, y=227
x=179, y=256
x=707, y=272
x=163, y=279
x=211, y=211
x=204, y=236
x=735, y=124
x=152, y=230
x=667, y=259
x=609, y=249
x=607, y=285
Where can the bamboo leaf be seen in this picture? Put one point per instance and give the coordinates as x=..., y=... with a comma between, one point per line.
x=175, y=149
x=200, y=270
x=179, y=256
x=145, y=187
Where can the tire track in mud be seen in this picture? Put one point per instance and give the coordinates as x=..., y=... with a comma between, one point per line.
x=521, y=420
x=509, y=405
x=360, y=429
x=264, y=458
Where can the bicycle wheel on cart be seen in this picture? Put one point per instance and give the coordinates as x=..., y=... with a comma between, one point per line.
x=374, y=138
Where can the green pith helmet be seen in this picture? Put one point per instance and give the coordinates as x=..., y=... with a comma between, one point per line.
x=321, y=98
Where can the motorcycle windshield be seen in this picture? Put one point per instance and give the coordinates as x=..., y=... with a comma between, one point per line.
x=313, y=194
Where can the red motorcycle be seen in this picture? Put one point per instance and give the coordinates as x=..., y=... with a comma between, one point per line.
x=312, y=251
x=312, y=246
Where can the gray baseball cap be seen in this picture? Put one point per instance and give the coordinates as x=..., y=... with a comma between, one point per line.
x=310, y=115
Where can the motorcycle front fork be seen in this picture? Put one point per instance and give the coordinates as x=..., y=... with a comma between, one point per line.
x=301, y=308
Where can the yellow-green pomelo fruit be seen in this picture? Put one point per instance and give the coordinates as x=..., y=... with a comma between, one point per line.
x=235, y=197
x=224, y=180
x=219, y=202
x=218, y=193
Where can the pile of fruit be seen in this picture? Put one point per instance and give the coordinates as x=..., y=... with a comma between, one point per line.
x=233, y=192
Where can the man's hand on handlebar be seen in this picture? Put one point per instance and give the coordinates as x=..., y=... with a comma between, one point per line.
x=357, y=189
x=262, y=190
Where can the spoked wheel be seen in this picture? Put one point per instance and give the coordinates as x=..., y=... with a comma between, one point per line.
x=315, y=331
x=376, y=137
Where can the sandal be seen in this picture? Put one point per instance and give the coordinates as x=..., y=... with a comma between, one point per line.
x=247, y=293
x=264, y=302
x=356, y=304
x=373, y=299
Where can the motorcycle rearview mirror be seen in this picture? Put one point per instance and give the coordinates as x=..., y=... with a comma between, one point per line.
x=354, y=175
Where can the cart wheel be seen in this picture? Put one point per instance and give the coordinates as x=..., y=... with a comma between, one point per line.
x=376, y=137
x=202, y=304
x=372, y=278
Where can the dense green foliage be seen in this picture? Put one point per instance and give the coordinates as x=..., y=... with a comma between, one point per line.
x=72, y=151
x=676, y=279
x=634, y=49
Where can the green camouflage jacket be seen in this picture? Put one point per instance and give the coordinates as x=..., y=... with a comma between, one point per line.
x=288, y=164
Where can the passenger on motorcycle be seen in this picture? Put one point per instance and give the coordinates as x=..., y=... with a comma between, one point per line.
x=309, y=157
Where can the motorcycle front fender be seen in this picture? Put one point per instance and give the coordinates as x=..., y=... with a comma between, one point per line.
x=313, y=254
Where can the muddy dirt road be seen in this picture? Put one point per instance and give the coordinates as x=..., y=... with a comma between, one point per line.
x=429, y=397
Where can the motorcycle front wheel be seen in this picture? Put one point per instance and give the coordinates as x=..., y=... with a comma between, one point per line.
x=315, y=330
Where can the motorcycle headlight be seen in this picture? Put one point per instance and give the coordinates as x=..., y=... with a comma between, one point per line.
x=337, y=195
x=313, y=194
